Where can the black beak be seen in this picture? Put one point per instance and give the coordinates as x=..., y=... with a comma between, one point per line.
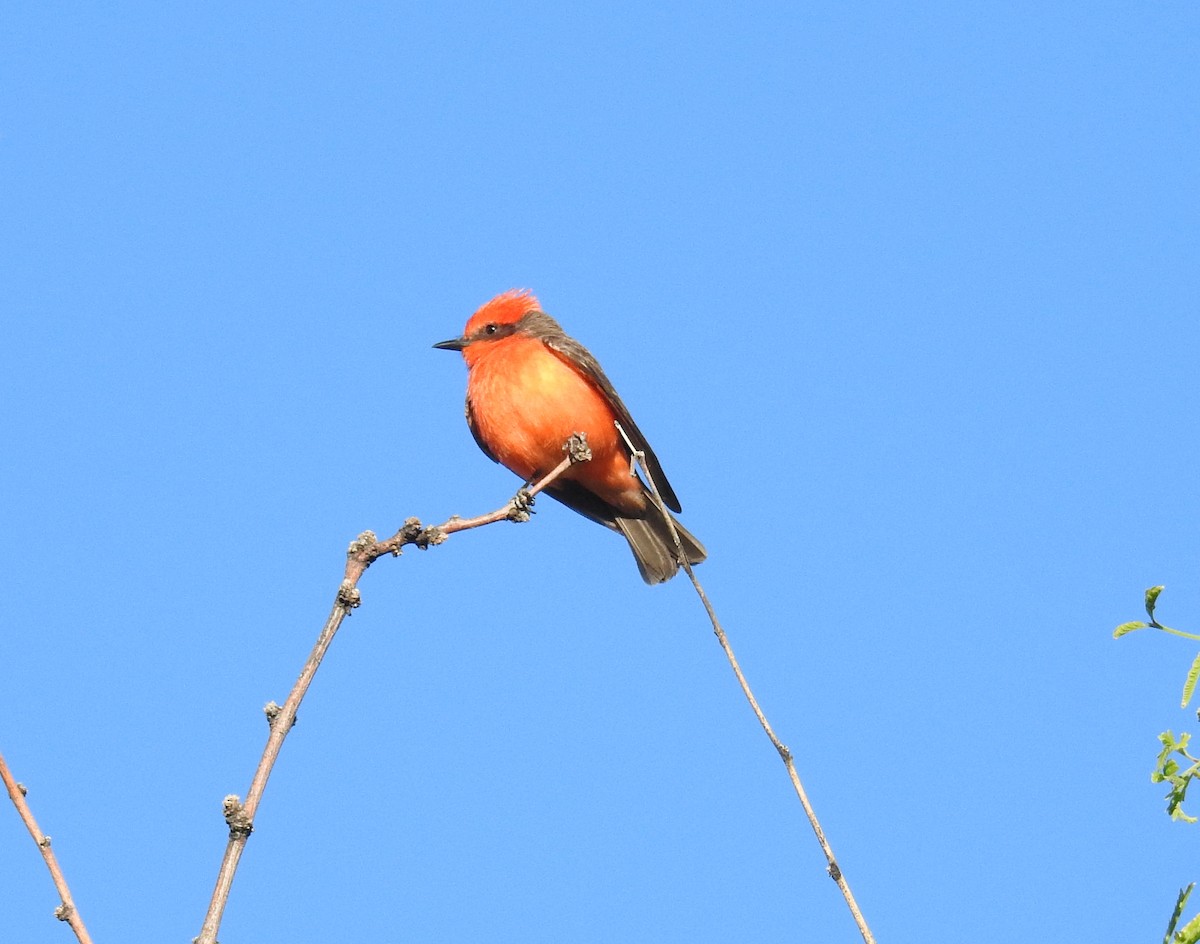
x=454, y=344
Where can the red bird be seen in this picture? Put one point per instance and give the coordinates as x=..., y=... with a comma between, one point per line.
x=529, y=388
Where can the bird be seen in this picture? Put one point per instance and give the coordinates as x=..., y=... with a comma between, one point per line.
x=530, y=387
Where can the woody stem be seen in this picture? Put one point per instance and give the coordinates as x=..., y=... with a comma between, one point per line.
x=66, y=911
x=363, y=551
x=785, y=754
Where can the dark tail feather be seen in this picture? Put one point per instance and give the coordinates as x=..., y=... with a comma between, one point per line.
x=652, y=544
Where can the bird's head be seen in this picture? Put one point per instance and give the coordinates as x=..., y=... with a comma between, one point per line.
x=493, y=321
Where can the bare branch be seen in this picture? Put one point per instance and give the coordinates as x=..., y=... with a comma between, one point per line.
x=363, y=551
x=66, y=911
x=785, y=754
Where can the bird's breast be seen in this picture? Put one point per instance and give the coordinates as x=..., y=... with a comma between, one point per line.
x=527, y=402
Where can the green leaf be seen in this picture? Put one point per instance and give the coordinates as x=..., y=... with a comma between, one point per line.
x=1152, y=599
x=1178, y=794
x=1168, y=771
x=1180, y=902
x=1128, y=628
x=1189, y=686
x=1189, y=933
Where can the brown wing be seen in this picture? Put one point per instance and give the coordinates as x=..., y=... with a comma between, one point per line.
x=580, y=359
x=475, y=432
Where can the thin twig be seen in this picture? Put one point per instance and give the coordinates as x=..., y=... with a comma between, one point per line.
x=363, y=552
x=66, y=911
x=785, y=754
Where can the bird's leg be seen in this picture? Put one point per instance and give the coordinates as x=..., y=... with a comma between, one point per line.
x=636, y=456
x=521, y=506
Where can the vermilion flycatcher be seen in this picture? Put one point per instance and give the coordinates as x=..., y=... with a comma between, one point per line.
x=529, y=388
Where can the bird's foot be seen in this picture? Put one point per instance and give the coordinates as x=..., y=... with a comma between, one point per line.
x=521, y=506
x=577, y=448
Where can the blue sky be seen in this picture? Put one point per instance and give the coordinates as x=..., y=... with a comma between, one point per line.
x=906, y=301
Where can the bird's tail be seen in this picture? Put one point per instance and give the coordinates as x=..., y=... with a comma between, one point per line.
x=653, y=545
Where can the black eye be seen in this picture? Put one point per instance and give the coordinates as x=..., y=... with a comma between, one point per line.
x=491, y=329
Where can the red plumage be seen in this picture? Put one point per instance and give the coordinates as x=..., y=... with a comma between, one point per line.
x=529, y=388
